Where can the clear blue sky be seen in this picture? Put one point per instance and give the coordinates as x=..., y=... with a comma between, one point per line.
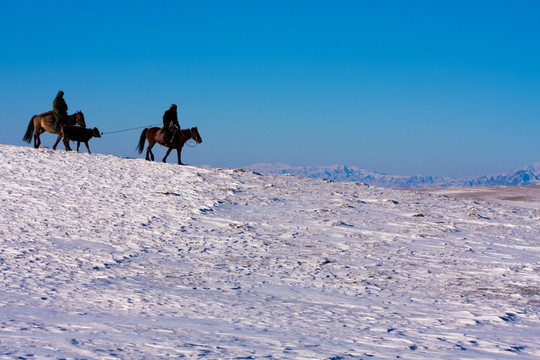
x=401, y=87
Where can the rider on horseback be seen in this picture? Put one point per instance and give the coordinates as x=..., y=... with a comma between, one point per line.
x=170, y=124
x=59, y=111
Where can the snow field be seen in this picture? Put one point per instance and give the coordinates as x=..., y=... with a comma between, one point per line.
x=104, y=257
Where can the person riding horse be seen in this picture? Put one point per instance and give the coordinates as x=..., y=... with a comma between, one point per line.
x=60, y=109
x=170, y=124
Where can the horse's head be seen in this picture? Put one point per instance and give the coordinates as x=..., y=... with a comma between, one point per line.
x=195, y=135
x=96, y=132
x=79, y=119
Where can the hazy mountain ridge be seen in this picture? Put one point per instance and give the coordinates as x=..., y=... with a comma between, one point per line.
x=528, y=175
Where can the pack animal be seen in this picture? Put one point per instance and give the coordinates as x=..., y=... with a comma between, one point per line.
x=44, y=123
x=78, y=134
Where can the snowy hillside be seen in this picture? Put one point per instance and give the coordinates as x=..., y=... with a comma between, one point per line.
x=529, y=175
x=111, y=258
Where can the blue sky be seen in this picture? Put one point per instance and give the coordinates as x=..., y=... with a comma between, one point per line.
x=401, y=87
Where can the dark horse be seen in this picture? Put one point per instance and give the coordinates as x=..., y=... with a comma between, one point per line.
x=155, y=135
x=44, y=122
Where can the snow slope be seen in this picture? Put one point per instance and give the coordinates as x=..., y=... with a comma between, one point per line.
x=521, y=196
x=105, y=258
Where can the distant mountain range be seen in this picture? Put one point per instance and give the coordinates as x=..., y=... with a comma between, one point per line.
x=528, y=175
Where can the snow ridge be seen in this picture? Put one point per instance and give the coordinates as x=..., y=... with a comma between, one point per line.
x=105, y=257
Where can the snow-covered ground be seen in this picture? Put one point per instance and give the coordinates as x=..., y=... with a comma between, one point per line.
x=103, y=257
x=521, y=196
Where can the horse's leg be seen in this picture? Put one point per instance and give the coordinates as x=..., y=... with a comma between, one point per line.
x=79, y=144
x=40, y=131
x=149, y=153
x=87, y=148
x=179, y=154
x=57, y=141
x=167, y=154
x=37, y=141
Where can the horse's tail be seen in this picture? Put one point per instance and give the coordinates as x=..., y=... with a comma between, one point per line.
x=30, y=130
x=140, y=147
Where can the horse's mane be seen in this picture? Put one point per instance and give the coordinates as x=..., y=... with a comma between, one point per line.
x=47, y=113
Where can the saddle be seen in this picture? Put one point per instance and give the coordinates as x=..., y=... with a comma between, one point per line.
x=160, y=136
x=164, y=136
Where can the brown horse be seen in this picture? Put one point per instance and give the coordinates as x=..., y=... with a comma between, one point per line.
x=44, y=122
x=155, y=135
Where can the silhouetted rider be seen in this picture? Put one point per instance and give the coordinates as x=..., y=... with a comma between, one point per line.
x=59, y=111
x=170, y=123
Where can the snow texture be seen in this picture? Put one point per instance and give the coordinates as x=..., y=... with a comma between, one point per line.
x=110, y=258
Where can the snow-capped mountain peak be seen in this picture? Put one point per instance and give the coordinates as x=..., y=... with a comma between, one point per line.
x=528, y=175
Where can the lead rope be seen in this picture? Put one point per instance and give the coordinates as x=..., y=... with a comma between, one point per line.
x=191, y=146
x=189, y=138
x=144, y=127
x=136, y=128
